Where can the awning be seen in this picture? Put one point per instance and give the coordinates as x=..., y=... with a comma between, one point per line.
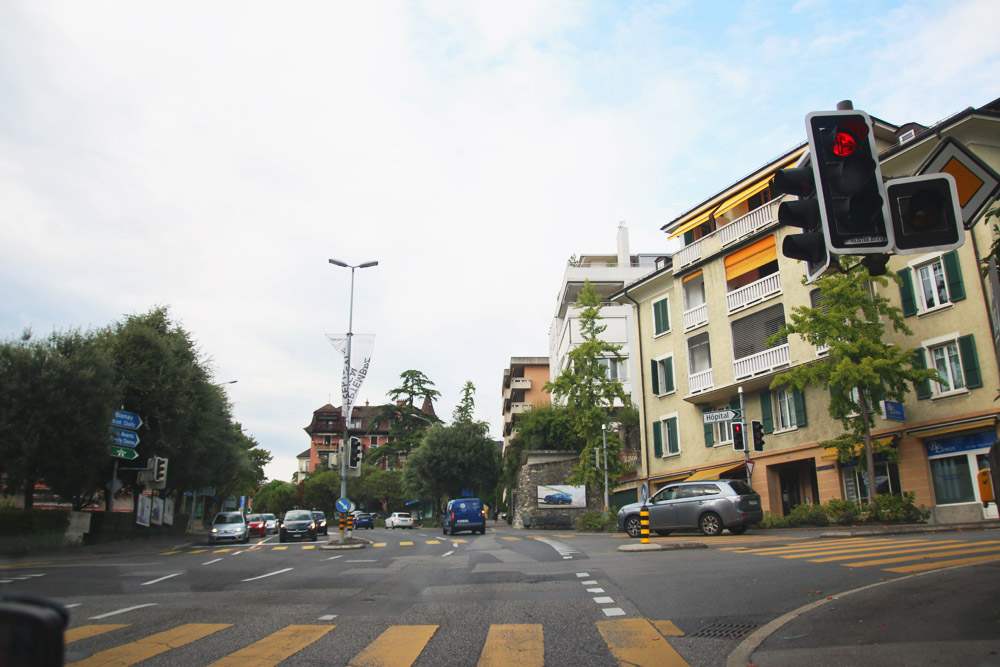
x=953, y=428
x=713, y=473
x=751, y=257
x=691, y=276
x=672, y=477
x=832, y=454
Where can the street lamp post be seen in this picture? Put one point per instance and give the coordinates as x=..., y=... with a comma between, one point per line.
x=604, y=438
x=347, y=374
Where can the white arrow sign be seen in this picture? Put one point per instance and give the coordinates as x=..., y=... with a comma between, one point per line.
x=720, y=416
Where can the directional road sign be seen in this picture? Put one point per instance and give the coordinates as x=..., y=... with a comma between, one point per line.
x=123, y=452
x=123, y=438
x=344, y=505
x=720, y=416
x=129, y=420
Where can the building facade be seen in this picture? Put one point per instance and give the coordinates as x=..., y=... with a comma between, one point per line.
x=523, y=381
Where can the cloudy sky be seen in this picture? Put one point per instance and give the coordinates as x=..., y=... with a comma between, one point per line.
x=212, y=156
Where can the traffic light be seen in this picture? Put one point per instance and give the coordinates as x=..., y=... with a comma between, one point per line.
x=853, y=208
x=925, y=213
x=593, y=457
x=159, y=469
x=757, y=429
x=354, y=459
x=810, y=245
x=739, y=444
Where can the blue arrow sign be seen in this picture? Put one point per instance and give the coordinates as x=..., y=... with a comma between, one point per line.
x=123, y=438
x=129, y=420
x=344, y=505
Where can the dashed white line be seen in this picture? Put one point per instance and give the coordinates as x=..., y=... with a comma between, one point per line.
x=335, y=557
x=447, y=553
x=589, y=582
x=211, y=561
x=595, y=590
x=581, y=575
x=269, y=574
x=121, y=611
x=604, y=600
x=156, y=581
x=328, y=617
x=613, y=611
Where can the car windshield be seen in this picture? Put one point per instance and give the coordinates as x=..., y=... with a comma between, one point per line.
x=298, y=516
x=229, y=518
x=402, y=515
x=318, y=515
x=254, y=518
x=364, y=516
x=269, y=517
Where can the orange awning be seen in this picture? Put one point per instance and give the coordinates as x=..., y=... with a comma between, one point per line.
x=713, y=473
x=691, y=276
x=751, y=257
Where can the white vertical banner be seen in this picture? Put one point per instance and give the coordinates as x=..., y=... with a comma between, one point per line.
x=356, y=371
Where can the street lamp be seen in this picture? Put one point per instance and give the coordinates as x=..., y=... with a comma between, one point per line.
x=347, y=374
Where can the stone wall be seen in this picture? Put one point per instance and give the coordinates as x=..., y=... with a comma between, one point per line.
x=548, y=468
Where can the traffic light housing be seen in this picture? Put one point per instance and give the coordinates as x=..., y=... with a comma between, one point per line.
x=594, y=458
x=354, y=458
x=739, y=444
x=925, y=213
x=159, y=469
x=758, y=435
x=848, y=181
x=810, y=245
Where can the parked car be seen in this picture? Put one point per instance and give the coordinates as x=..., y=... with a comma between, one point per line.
x=229, y=527
x=320, y=520
x=464, y=514
x=364, y=521
x=558, y=499
x=709, y=506
x=399, y=520
x=297, y=524
x=271, y=523
x=256, y=525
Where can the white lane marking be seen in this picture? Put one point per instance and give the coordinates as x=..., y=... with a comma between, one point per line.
x=328, y=617
x=211, y=561
x=595, y=590
x=447, y=553
x=581, y=575
x=70, y=606
x=604, y=600
x=563, y=549
x=156, y=581
x=589, y=582
x=613, y=611
x=269, y=574
x=121, y=611
x=335, y=557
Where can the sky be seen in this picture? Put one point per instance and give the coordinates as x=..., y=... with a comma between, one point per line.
x=212, y=157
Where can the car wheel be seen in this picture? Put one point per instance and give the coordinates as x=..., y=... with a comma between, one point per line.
x=662, y=533
x=738, y=530
x=633, y=526
x=710, y=524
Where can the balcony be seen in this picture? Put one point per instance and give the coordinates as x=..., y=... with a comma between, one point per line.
x=520, y=383
x=695, y=317
x=517, y=408
x=701, y=381
x=762, y=362
x=754, y=293
x=749, y=224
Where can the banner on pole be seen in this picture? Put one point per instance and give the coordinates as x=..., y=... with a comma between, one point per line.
x=355, y=371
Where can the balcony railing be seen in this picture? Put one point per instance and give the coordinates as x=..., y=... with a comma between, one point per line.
x=701, y=381
x=762, y=362
x=748, y=224
x=695, y=317
x=754, y=293
x=520, y=383
x=687, y=255
x=517, y=408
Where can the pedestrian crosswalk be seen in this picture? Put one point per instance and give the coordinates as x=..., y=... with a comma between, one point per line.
x=632, y=641
x=890, y=554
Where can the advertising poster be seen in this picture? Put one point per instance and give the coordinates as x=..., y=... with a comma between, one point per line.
x=562, y=495
x=143, y=511
x=156, y=515
x=168, y=512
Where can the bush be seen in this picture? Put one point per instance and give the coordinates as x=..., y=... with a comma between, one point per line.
x=32, y=530
x=891, y=508
x=807, y=515
x=843, y=512
x=772, y=521
x=594, y=521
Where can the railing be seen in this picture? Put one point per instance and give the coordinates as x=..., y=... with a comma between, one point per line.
x=754, y=293
x=701, y=381
x=748, y=224
x=520, y=383
x=762, y=362
x=687, y=255
x=695, y=317
x=516, y=408
x=822, y=349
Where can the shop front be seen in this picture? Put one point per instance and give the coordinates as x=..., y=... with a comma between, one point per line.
x=954, y=462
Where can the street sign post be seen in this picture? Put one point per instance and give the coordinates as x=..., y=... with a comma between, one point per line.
x=123, y=438
x=720, y=416
x=123, y=419
x=123, y=452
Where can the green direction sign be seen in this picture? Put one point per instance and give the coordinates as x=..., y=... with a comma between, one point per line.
x=123, y=452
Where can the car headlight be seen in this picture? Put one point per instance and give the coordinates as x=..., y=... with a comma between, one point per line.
x=215, y=530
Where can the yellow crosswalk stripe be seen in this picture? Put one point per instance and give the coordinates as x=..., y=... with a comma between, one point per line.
x=668, y=629
x=379, y=544
x=513, y=645
x=406, y=544
x=511, y=539
x=198, y=551
x=398, y=646
x=308, y=546
x=901, y=559
x=634, y=641
x=929, y=550
x=433, y=541
x=168, y=553
x=279, y=548
x=947, y=563
x=273, y=649
x=86, y=631
x=144, y=649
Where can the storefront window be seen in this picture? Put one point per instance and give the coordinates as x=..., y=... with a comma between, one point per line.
x=856, y=481
x=952, y=480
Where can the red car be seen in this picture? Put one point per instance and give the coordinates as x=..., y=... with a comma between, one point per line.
x=257, y=525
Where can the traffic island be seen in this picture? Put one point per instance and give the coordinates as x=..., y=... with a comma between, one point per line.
x=662, y=546
x=349, y=543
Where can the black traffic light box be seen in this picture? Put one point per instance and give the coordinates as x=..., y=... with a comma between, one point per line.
x=355, y=456
x=739, y=444
x=925, y=213
x=810, y=245
x=159, y=469
x=757, y=428
x=594, y=458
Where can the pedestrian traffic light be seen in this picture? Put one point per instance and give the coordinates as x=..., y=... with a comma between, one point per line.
x=354, y=460
x=593, y=457
x=849, y=182
x=925, y=213
x=159, y=469
x=757, y=429
x=739, y=444
x=810, y=245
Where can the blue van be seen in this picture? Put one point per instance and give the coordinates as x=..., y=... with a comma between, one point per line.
x=464, y=514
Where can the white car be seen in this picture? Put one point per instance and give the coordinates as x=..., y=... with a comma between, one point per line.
x=399, y=520
x=271, y=523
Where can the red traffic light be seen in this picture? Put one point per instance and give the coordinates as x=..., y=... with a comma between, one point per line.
x=844, y=144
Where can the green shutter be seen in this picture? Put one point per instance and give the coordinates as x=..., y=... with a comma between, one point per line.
x=953, y=274
x=657, y=440
x=661, y=316
x=766, y=413
x=655, y=374
x=923, y=389
x=970, y=362
x=668, y=375
x=674, y=445
x=909, y=303
x=799, y=401
x=709, y=432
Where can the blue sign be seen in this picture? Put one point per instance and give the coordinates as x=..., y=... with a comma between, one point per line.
x=893, y=411
x=129, y=420
x=344, y=505
x=123, y=438
x=645, y=492
x=960, y=443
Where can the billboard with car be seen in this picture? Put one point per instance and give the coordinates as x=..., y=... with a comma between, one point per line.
x=562, y=495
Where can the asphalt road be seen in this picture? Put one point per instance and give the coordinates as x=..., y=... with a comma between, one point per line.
x=522, y=598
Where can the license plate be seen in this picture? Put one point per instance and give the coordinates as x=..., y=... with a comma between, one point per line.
x=462, y=521
x=754, y=502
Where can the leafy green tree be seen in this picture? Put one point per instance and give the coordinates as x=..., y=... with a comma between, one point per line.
x=407, y=422
x=321, y=491
x=466, y=408
x=378, y=489
x=276, y=497
x=453, y=458
x=860, y=366
x=588, y=393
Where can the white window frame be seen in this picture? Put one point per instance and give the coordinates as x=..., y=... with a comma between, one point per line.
x=665, y=435
x=660, y=371
x=615, y=367
x=937, y=389
x=919, y=295
x=722, y=432
x=783, y=410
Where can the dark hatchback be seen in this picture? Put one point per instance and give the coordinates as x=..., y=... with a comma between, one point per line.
x=297, y=524
x=320, y=519
x=364, y=521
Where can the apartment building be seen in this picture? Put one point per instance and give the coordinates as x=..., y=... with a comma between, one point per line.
x=703, y=321
x=522, y=389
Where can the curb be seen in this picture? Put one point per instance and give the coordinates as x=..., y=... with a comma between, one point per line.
x=662, y=546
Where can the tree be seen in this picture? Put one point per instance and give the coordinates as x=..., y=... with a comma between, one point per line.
x=451, y=459
x=377, y=487
x=322, y=490
x=276, y=497
x=407, y=422
x=465, y=410
x=860, y=367
x=586, y=389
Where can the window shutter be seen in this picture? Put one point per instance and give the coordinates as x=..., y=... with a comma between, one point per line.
x=766, y=412
x=657, y=319
x=953, y=274
x=655, y=374
x=970, y=362
x=661, y=316
x=657, y=440
x=906, y=297
x=799, y=401
x=668, y=375
x=923, y=389
x=673, y=446
x=709, y=432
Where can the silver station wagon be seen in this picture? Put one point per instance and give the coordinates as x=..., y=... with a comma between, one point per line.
x=709, y=506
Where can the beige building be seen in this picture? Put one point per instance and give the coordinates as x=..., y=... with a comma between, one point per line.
x=703, y=322
x=522, y=390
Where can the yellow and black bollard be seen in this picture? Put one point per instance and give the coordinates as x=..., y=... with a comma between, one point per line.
x=341, y=523
x=350, y=525
x=644, y=521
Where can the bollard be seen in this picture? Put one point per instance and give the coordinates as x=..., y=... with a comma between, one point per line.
x=644, y=520
x=350, y=525
x=341, y=523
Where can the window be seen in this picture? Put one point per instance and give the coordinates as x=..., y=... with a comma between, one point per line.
x=327, y=440
x=956, y=361
x=699, y=354
x=661, y=317
x=949, y=367
x=932, y=289
x=615, y=369
x=665, y=440
x=931, y=285
x=856, y=481
x=784, y=411
x=952, y=478
x=662, y=375
x=750, y=333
